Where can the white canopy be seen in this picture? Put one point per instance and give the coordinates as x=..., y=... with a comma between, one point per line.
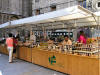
x=97, y=13
x=78, y=13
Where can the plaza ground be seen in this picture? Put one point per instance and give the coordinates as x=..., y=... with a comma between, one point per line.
x=20, y=67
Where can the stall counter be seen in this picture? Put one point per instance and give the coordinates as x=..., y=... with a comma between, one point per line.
x=66, y=63
x=3, y=49
x=25, y=53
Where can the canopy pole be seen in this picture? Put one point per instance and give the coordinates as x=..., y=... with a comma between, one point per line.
x=52, y=27
x=43, y=32
x=98, y=36
x=75, y=24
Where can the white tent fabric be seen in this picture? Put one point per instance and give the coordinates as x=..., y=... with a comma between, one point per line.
x=97, y=13
x=4, y=25
x=71, y=13
x=98, y=16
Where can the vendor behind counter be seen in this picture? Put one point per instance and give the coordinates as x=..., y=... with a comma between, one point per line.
x=66, y=41
x=82, y=38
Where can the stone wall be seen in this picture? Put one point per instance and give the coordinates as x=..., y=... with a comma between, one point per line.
x=9, y=8
x=44, y=5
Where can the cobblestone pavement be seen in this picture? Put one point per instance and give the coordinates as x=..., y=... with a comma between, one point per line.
x=20, y=67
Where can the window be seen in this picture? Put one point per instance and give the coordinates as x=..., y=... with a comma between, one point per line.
x=37, y=12
x=53, y=8
x=36, y=0
x=82, y=3
x=98, y=4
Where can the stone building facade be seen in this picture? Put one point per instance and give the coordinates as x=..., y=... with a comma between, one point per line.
x=18, y=8
x=93, y=5
x=44, y=6
x=26, y=8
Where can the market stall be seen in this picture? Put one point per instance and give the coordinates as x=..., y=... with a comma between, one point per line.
x=67, y=63
x=49, y=47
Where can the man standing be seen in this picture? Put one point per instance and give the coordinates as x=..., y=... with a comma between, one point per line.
x=9, y=42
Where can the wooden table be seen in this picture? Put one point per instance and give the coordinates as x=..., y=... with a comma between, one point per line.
x=67, y=63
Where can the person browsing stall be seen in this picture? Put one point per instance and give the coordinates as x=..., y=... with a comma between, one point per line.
x=15, y=44
x=9, y=43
